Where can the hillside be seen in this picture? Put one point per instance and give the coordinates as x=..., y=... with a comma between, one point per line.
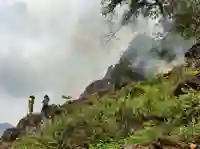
x=123, y=109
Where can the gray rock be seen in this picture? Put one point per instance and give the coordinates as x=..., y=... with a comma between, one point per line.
x=11, y=134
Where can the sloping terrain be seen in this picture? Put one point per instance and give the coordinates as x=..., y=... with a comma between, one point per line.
x=123, y=110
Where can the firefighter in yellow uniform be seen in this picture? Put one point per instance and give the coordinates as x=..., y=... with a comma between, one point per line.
x=30, y=104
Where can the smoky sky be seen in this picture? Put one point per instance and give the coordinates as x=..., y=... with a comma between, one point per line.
x=54, y=47
x=50, y=47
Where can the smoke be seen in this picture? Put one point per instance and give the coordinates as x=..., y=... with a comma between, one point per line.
x=51, y=47
x=154, y=50
x=55, y=47
x=152, y=56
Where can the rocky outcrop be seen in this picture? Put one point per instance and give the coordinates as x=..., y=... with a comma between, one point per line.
x=99, y=86
x=193, y=56
x=51, y=111
x=33, y=120
x=11, y=134
x=192, y=81
x=29, y=123
x=116, y=77
x=194, y=52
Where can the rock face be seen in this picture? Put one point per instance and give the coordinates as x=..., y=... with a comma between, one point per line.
x=194, y=52
x=192, y=58
x=27, y=123
x=30, y=121
x=51, y=111
x=116, y=77
x=98, y=86
x=11, y=134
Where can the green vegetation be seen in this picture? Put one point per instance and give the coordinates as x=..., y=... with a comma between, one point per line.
x=142, y=113
x=139, y=113
x=185, y=13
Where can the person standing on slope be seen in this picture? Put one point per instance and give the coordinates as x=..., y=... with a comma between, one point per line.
x=45, y=103
x=31, y=104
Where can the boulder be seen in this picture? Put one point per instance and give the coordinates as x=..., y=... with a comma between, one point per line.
x=192, y=81
x=33, y=120
x=116, y=77
x=99, y=87
x=194, y=52
x=192, y=57
x=11, y=134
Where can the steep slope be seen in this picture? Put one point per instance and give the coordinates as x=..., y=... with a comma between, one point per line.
x=116, y=77
x=145, y=113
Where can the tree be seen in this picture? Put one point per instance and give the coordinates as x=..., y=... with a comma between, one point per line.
x=187, y=18
x=184, y=13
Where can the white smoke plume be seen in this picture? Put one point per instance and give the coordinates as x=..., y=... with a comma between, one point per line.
x=140, y=48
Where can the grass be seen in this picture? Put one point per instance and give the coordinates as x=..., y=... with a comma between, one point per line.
x=139, y=113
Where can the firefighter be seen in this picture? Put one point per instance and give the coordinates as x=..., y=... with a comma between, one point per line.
x=46, y=101
x=30, y=104
x=45, y=104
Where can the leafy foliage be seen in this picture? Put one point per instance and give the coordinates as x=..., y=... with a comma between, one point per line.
x=187, y=18
x=137, y=114
x=185, y=13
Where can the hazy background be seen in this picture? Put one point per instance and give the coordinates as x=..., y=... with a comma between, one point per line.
x=50, y=47
x=54, y=47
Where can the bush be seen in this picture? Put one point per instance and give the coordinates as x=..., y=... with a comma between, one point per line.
x=138, y=113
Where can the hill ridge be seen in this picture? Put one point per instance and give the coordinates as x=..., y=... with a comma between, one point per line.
x=110, y=101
